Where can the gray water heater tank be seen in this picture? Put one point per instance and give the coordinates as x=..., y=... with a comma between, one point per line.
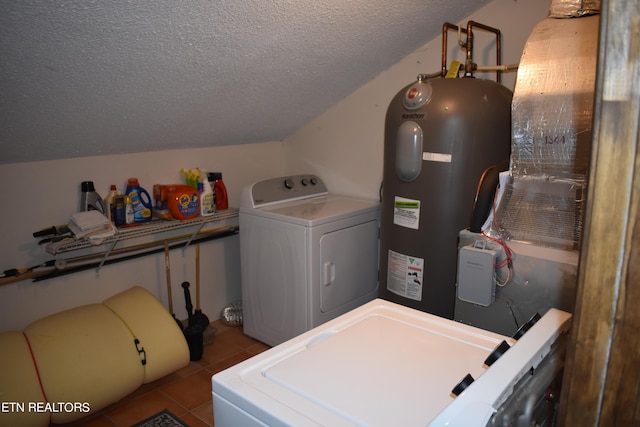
x=440, y=136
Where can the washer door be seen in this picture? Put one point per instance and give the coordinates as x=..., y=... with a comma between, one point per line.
x=348, y=265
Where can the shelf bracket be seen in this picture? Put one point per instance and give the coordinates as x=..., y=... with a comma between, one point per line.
x=192, y=237
x=106, y=255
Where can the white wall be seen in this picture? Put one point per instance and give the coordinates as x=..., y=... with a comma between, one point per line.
x=40, y=194
x=344, y=145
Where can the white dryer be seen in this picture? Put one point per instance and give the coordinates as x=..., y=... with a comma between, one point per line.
x=306, y=256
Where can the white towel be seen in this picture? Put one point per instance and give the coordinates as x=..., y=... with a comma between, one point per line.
x=91, y=224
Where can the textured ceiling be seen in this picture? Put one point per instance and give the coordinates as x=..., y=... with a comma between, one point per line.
x=90, y=77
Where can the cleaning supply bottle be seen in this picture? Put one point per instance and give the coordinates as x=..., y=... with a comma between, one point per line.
x=119, y=206
x=140, y=200
x=109, y=203
x=129, y=213
x=90, y=200
x=207, y=200
x=222, y=201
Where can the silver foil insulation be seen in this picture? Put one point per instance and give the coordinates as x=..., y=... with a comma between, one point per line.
x=552, y=119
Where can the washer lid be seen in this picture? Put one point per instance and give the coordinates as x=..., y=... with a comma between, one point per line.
x=379, y=365
x=341, y=371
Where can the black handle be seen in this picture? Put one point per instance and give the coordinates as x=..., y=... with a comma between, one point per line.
x=52, y=231
x=485, y=195
x=187, y=298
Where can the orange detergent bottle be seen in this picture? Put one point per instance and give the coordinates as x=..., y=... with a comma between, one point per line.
x=183, y=202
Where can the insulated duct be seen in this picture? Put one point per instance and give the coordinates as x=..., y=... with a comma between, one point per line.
x=552, y=116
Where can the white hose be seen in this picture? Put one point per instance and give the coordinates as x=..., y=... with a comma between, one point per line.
x=506, y=67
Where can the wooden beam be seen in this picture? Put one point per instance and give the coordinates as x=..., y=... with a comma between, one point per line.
x=601, y=384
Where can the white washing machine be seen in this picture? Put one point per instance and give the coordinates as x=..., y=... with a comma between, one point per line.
x=306, y=256
x=383, y=364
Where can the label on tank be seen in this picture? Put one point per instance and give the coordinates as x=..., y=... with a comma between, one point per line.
x=436, y=157
x=406, y=212
x=404, y=275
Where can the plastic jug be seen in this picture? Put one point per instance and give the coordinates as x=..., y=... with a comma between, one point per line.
x=90, y=199
x=140, y=199
x=207, y=197
x=183, y=201
x=222, y=200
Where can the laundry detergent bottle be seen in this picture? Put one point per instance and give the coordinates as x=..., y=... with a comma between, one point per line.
x=140, y=200
x=220, y=190
x=90, y=199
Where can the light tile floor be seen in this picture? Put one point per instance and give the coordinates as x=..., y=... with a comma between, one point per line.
x=187, y=392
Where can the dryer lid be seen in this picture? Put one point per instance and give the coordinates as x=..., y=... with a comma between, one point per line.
x=318, y=210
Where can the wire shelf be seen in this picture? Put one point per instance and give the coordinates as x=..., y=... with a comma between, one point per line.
x=153, y=227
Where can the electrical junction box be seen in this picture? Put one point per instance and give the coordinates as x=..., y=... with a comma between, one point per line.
x=476, y=269
x=542, y=278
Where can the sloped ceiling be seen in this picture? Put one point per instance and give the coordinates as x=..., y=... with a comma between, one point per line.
x=91, y=77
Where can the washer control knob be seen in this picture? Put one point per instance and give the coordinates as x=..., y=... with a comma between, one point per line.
x=304, y=182
x=524, y=328
x=288, y=183
x=497, y=353
x=313, y=181
x=462, y=385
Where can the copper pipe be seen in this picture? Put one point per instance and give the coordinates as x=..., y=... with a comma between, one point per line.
x=468, y=68
x=445, y=27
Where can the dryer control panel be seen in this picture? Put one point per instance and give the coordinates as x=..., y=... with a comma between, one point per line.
x=283, y=189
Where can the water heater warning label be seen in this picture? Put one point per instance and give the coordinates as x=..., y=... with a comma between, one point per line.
x=404, y=275
x=406, y=212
